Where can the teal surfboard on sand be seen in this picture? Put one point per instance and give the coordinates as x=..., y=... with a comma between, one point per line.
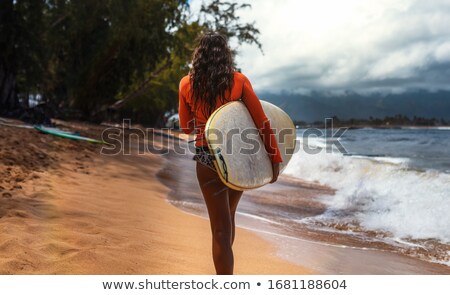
x=65, y=134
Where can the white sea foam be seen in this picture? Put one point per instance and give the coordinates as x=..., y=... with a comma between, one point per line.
x=381, y=193
x=316, y=142
x=387, y=160
x=253, y=216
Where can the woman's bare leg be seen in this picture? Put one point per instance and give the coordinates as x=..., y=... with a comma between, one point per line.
x=216, y=198
x=234, y=197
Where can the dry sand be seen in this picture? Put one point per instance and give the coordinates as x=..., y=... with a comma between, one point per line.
x=66, y=209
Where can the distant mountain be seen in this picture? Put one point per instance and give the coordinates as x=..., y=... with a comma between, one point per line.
x=319, y=105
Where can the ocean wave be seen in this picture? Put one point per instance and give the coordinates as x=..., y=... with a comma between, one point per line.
x=426, y=127
x=314, y=142
x=380, y=193
x=384, y=159
x=397, y=139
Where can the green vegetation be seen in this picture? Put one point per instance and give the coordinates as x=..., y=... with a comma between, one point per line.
x=104, y=59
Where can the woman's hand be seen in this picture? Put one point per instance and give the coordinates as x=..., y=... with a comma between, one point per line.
x=276, y=171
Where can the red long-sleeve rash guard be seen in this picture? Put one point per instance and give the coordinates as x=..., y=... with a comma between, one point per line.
x=242, y=89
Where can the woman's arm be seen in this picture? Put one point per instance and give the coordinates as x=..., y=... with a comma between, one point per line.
x=184, y=111
x=261, y=121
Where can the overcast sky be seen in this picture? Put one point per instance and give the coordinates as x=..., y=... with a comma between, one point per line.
x=338, y=45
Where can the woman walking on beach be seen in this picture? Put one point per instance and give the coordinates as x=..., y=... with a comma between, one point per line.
x=212, y=82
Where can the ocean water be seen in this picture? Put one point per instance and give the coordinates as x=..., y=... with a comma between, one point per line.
x=392, y=182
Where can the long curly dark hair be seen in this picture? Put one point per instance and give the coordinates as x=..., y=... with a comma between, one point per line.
x=212, y=71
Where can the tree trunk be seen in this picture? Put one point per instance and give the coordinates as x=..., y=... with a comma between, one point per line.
x=8, y=99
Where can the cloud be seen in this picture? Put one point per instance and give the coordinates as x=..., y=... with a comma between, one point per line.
x=361, y=45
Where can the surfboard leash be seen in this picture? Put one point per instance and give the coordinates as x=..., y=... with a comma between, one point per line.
x=224, y=165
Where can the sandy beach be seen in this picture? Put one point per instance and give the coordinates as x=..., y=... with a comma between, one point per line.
x=67, y=209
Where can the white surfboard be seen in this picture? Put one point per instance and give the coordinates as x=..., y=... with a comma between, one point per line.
x=239, y=153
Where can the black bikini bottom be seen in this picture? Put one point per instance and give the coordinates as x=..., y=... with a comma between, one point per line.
x=203, y=156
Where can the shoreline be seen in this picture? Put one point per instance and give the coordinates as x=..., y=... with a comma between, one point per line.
x=295, y=242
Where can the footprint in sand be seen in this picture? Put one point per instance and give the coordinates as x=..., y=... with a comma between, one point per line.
x=20, y=213
x=7, y=195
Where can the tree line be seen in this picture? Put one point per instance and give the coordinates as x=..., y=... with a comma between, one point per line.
x=105, y=59
x=386, y=122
